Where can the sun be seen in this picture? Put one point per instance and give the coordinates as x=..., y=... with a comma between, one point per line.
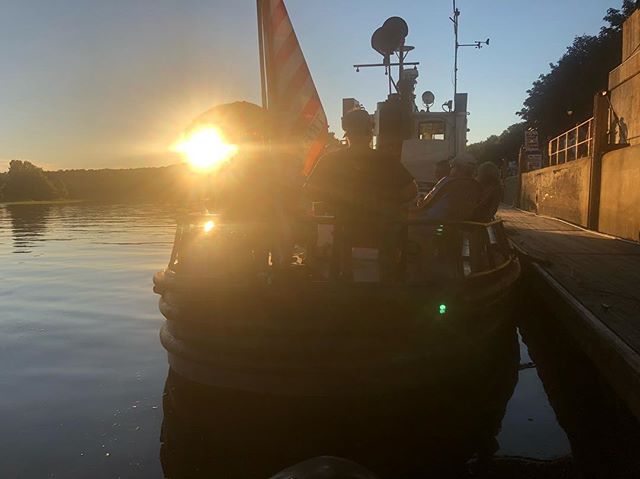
x=205, y=148
x=208, y=226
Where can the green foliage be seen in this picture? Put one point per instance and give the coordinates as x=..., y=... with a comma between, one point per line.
x=25, y=181
x=162, y=184
x=560, y=99
x=496, y=148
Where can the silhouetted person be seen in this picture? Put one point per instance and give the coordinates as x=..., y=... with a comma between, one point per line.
x=491, y=196
x=623, y=132
x=442, y=169
x=454, y=197
x=365, y=188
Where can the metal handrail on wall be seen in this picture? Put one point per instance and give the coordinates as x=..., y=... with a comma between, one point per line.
x=572, y=144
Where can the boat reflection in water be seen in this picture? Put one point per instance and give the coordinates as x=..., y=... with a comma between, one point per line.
x=212, y=432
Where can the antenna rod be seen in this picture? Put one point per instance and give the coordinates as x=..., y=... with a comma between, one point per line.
x=455, y=19
x=477, y=44
x=392, y=64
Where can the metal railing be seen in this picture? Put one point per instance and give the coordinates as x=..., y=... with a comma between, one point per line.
x=463, y=249
x=572, y=144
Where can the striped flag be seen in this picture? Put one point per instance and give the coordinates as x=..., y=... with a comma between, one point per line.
x=291, y=93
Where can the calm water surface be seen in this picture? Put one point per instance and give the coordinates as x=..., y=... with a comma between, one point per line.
x=84, y=377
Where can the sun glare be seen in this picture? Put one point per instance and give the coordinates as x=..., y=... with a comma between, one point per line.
x=205, y=149
x=208, y=226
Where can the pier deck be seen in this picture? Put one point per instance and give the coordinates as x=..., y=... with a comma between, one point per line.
x=593, y=280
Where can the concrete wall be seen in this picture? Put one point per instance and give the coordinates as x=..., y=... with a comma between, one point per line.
x=624, y=81
x=510, y=190
x=560, y=191
x=619, y=213
x=620, y=193
x=631, y=35
x=563, y=191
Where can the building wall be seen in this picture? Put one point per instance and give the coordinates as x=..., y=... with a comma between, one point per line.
x=619, y=212
x=620, y=193
x=631, y=35
x=624, y=81
x=563, y=191
x=560, y=191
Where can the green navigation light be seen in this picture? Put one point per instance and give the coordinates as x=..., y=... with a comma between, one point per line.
x=442, y=309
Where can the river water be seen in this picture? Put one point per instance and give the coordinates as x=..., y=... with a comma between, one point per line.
x=85, y=389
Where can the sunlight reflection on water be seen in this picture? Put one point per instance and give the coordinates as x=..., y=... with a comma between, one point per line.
x=83, y=370
x=78, y=341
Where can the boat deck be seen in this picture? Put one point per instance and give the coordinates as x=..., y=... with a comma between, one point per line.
x=598, y=276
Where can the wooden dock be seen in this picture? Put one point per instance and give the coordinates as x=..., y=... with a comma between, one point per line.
x=593, y=282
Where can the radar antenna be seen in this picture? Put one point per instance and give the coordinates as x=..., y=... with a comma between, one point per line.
x=387, y=40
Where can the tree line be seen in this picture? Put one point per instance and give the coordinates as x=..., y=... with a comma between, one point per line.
x=25, y=181
x=563, y=97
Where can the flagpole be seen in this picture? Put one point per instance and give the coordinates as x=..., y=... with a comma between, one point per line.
x=263, y=74
x=267, y=83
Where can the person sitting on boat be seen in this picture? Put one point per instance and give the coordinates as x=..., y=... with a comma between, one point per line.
x=454, y=197
x=366, y=189
x=442, y=169
x=491, y=196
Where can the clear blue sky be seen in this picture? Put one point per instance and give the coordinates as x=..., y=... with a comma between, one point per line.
x=92, y=84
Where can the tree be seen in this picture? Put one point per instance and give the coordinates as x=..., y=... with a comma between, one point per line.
x=25, y=181
x=562, y=98
x=495, y=148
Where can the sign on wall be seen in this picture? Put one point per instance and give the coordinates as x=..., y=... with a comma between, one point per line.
x=531, y=142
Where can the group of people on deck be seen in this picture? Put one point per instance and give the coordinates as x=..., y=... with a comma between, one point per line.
x=372, y=194
x=458, y=196
x=362, y=183
x=369, y=191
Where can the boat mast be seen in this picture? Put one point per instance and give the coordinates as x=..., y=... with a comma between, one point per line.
x=477, y=44
x=455, y=20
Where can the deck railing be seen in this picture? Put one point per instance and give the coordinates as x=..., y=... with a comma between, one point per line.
x=458, y=248
x=572, y=144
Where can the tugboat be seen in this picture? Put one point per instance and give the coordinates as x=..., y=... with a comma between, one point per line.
x=245, y=313
x=233, y=323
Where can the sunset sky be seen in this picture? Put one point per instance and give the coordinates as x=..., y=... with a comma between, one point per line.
x=94, y=84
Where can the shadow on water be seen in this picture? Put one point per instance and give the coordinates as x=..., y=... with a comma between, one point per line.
x=83, y=374
x=603, y=434
x=29, y=225
x=214, y=433
x=460, y=426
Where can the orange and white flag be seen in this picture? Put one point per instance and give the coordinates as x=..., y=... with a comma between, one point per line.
x=291, y=93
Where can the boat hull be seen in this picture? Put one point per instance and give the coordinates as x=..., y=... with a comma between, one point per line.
x=306, y=339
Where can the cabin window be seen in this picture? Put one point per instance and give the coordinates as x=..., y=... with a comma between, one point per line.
x=432, y=130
